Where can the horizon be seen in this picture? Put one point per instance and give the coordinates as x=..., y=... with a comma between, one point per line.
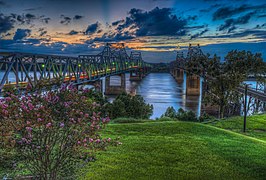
x=156, y=28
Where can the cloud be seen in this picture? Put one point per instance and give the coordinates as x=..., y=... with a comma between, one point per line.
x=77, y=17
x=157, y=22
x=33, y=9
x=262, y=16
x=199, y=34
x=43, y=33
x=92, y=28
x=226, y=12
x=117, y=22
x=212, y=7
x=230, y=23
x=256, y=33
x=6, y=23
x=2, y=3
x=66, y=20
x=21, y=34
x=73, y=32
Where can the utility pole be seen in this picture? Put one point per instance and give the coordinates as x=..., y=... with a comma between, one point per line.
x=245, y=107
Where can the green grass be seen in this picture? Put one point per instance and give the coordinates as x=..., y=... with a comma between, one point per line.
x=256, y=125
x=178, y=150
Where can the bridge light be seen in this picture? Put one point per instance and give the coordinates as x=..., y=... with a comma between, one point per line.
x=79, y=65
x=113, y=63
x=43, y=65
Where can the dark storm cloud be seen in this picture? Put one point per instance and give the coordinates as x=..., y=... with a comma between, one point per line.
x=77, y=17
x=156, y=22
x=199, y=34
x=226, y=12
x=73, y=32
x=92, y=28
x=230, y=23
x=66, y=20
x=6, y=23
x=21, y=34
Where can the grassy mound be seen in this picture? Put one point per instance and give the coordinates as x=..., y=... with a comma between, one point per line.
x=256, y=125
x=178, y=150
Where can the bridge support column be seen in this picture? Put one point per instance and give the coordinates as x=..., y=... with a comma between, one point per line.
x=97, y=85
x=115, y=90
x=193, y=85
x=135, y=76
x=179, y=75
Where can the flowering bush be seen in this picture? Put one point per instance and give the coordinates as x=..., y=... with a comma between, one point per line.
x=52, y=130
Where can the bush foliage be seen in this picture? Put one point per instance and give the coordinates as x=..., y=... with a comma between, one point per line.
x=52, y=131
x=126, y=105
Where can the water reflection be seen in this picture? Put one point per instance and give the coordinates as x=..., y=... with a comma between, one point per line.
x=161, y=90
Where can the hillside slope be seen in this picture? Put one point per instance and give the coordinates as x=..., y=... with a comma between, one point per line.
x=178, y=150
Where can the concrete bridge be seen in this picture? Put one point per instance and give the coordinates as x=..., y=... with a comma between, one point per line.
x=26, y=70
x=193, y=82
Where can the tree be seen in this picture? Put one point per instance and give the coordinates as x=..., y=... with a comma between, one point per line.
x=223, y=78
x=126, y=105
x=170, y=112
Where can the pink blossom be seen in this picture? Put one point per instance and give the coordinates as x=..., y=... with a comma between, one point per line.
x=49, y=125
x=91, y=140
x=86, y=115
x=39, y=119
x=30, y=106
x=109, y=139
x=62, y=125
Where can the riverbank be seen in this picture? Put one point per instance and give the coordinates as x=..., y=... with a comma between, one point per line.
x=182, y=150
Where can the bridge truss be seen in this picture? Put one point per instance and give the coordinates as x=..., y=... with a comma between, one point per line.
x=25, y=69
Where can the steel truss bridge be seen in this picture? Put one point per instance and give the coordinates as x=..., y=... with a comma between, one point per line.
x=25, y=69
x=256, y=94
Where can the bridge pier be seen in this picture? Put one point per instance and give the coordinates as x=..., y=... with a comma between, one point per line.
x=115, y=90
x=135, y=76
x=193, y=85
x=179, y=75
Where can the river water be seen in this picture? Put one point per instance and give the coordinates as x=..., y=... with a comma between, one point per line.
x=162, y=91
x=159, y=89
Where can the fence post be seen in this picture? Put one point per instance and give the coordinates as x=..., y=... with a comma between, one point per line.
x=245, y=108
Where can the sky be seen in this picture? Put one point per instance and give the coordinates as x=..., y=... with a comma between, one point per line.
x=157, y=28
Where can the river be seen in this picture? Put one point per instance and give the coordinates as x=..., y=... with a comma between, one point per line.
x=162, y=91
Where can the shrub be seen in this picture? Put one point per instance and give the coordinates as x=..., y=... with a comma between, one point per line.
x=52, y=131
x=126, y=105
x=186, y=115
x=170, y=112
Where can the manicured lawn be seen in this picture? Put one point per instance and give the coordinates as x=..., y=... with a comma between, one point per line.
x=178, y=150
x=256, y=125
